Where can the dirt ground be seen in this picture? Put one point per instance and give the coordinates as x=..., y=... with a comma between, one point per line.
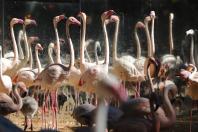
x=67, y=124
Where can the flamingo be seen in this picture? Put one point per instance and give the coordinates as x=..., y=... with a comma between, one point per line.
x=7, y=105
x=29, y=108
x=22, y=63
x=5, y=81
x=191, y=33
x=169, y=59
x=8, y=65
x=85, y=65
x=75, y=73
x=52, y=77
x=121, y=67
x=28, y=76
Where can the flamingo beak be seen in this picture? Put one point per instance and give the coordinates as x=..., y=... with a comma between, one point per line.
x=77, y=23
x=61, y=17
x=20, y=21
x=33, y=22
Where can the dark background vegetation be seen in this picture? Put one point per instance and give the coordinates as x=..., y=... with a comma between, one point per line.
x=130, y=11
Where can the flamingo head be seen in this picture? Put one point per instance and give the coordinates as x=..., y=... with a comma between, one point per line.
x=33, y=39
x=184, y=74
x=156, y=64
x=171, y=17
x=114, y=18
x=30, y=22
x=57, y=19
x=147, y=19
x=190, y=32
x=73, y=20
x=16, y=21
x=152, y=14
x=22, y=87
x=51, y=45
x=38, y=47
x=107, y=14
x=139, y=25
x=82, y=15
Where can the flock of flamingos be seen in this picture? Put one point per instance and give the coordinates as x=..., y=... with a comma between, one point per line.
x=144, y=112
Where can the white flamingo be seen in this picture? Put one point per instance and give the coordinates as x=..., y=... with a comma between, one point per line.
x=8, y=65
x=52, y=77
x=5, y=81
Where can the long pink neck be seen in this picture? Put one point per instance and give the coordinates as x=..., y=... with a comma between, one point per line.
x=138, y=43
x=27, y=53
x=106, y=44
x=152, y=37
x=115, y=41
x=192, y=59
x=38, y=63
x=148, y=39
x=82, y=42
x=170, y=112
x=16, y=55
x=18, y=99
x=171, y=36
x=70, y=45
x=58, y=59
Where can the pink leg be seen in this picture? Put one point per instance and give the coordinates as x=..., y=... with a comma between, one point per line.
x=44, y=110
x=54, y=108
x=137, y=93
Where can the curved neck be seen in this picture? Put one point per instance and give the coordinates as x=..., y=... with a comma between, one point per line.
x=82, y=42
x=20, y=38
x=138, y=43
x=148, y=40
x=27, y=54
x=18, y=99
x=38, y=63
x=16, y=55
x=152, y=37
x=50, y=51
x=58, y=59
x=170, y=112
x=192, y=59
x=70, y=45
x=107, y=43
x=87, y=55
x=115, y=41
x=171, y=36
x=96, y=53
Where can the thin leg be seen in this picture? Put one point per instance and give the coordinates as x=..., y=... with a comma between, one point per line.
x=43, y=111
x=25, y=127
x=137, y=93
x=31, y=127
x=54, y=109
